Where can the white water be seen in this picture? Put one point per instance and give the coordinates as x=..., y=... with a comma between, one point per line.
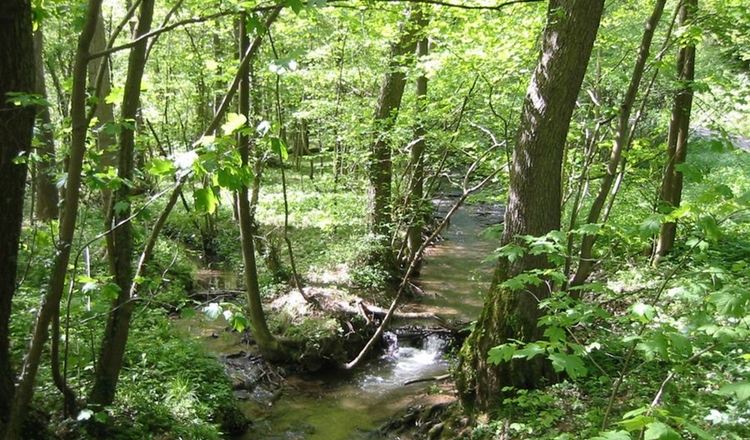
x=404, y=363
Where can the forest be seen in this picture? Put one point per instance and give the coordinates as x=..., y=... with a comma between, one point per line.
x=375, y=219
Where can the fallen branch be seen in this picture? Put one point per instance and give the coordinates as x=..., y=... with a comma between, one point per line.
x=367, y=309
x=429, y=379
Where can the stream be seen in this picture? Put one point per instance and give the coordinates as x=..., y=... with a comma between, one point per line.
x=343, y=405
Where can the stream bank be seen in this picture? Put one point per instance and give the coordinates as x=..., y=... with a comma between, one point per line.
x=339, y=405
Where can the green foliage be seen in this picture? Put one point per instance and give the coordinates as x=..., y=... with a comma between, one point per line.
x=174, y=387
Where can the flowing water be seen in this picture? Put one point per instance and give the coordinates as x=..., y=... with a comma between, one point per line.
x=351, y=405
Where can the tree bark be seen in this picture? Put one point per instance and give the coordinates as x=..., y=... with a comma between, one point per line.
x=670, y=193
x=120, y=253
x=389, y=103
x=51, y=305
x=533, y=208
x=47, y=198
x=104, y=112
x=16, y=125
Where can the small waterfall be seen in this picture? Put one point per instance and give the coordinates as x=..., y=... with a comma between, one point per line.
x=402, y=363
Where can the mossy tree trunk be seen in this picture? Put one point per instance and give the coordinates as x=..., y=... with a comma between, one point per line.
x=533, y=207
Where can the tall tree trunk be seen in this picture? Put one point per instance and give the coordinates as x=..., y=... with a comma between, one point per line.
x=677, y=142
x=47, y=197
x=104, y=113
x=267, y=343
x=380, y=165
x=120, y=252
x=533, y=208
x=51, y=305
x=16, y=126
x=417, y=217
x=586, y=260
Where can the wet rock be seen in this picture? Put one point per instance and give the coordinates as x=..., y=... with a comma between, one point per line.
x=242, y=394
x=232, y=421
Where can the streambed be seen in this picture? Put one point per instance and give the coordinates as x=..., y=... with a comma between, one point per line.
x=342, y=405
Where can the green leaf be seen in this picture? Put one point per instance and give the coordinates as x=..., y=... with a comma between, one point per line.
x=635, y=412
x=690, y=173
x=205, y=200
x=122, y=207
x=234, y=122
x=529, y=351
x=651, y=225
x=731, y=301
x=681, y=344
x=654, y=347
x=22, y=99
x=238, y=322
x=110, y=290
x=226, y=178
x=279, y=147
x=697, y=431
x=521, y=281
x=612, y=435
x=161, y=167
x=660, y=431
x=296, y=5
x=115, y=95
x=501, y=353
x=711, y=228
x=572, y=365
x=739, y=389
x=555, y=334
x=635, y=423
x=511, y=251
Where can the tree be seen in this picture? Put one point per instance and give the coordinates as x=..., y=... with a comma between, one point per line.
x=16, y=124
x=25, y=390
x=533, y=207
x=267, y=343
x=47, y=197
x=417, y=215
x=120, y=238
x=621, y=143
x=670, y=193
x=380, y=164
